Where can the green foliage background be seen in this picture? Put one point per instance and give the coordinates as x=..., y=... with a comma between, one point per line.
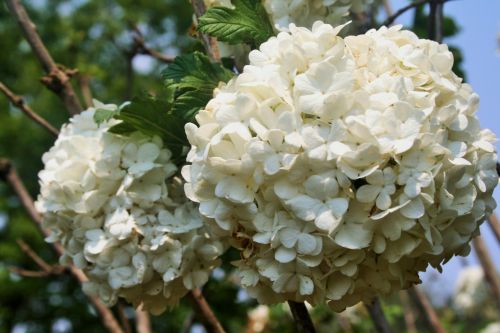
x=94, y=36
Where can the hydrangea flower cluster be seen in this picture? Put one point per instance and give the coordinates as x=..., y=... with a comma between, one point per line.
x=471, y=291
x=106, y=199
x=341, y=167
x=304, y=12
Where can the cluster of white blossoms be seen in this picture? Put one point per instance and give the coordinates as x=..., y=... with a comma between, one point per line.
x=119, y=212
x=471, y=291
x=342, y=167
x=305, y=12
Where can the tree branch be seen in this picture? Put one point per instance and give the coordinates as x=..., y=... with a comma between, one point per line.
x=142, y=321
x=18, y=102
x=378, y=317
x=494, y=225
x=301, y=316
x=57, y=78
x=210, y=43
x=84, y=83
x=9, y=175
x=143, y=49
x=390, y=20
x=436, y=20
x=204, y=312
x=430, y=316
x=490, y=272
x=408, y=312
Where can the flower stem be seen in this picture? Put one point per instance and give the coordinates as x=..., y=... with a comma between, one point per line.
x=302, y=319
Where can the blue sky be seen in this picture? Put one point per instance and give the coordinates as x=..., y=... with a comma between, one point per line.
x=480, y=22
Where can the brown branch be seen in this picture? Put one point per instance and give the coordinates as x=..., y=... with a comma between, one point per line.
x=303, y=321
x=390, y=20
x=187, y=323
x=430, y=316
x=494, y=225
x=388, y=8
x=37, y=274
x=408, y=312
x=436, y=20
x=204, y=312
x=377, y=314
x=84, y=83
x=142, y=321
x=140, y=44
x=9, y=175
x=490, y=272
x=57, y=78
x=44, y=266
x=19, y=103
x=123, y=317
x=210, y=43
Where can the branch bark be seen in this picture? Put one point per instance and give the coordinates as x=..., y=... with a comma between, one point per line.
x=436, y=20
x=142, y=321
x=84, y=83
x=210, y=43
x=301, y=316
x=430, y=316
x=57, y=78
x=19, y=103
x=408, y=312
x=204, y=312
x=143, y=49
x=390, y=20
x=9, y=174
x=494, y=225
x=490, y=272
x=378, y=317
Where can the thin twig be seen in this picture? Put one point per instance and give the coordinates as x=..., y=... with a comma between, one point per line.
x=204, y=312
x=377, y=314
x=187, y=323
x=430, y=316
x=390, y=20
x=142, y=321
x=408, y=312
x=388, y=8
x=344, y=323
x=489, y=269
x=84, y=83
x=123, y=317
x=58, y=78
x=143, y=49
x=494, y=225
x=19, y=103
x=301, y=316
x=9, y=175
x=210, y=43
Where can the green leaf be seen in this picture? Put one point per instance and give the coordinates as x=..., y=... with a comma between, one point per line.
x=247, y=22
x=102, y=115
x=152, y=117
x=193, y=77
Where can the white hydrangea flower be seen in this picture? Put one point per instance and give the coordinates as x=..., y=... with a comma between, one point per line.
x=107, y=200
x=342, y=167
x=471, y=291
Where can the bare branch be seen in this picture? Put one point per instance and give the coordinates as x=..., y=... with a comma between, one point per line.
x=57, y=78
x=489, y=269
x=430, y=316
x=388, y=8
x=123, y=317
x=9, y=175
x=204, y=312
x=390, y=20
x=142, y=321
x=18, y=102
x=494, y=225
x=377, y=314
x=84, y=83
x=436, y=20
x=210, y=43
x=143, y=49
x=301, y=316
x=408, y=312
